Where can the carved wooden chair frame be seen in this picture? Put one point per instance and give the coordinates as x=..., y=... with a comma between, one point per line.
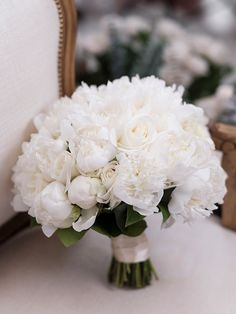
x=66, y=80
x=224, y=137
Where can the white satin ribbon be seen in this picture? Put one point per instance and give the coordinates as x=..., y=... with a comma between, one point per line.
x=130, y=249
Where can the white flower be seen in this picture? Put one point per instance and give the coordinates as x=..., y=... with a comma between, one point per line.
x=84, y=191
x=212, y=49
x=28, y=181
x=52, y=209
x=126, y=27
x=50, y=123
x=86, y=220
x=108, y=174
x=169, y=29
x=63, y=168
x=94, y=148
x=135, y=24
x=139, y=182
x=93, y=42
x=139, y=132
x=215, y=104
x=197, y=197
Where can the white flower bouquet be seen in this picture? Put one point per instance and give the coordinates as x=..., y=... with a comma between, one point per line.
x=112, y=155
x=164, y=48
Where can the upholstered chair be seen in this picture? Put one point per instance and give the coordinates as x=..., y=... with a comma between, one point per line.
x=36, y=68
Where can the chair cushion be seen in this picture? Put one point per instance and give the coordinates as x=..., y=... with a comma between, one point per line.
x=29, y=34
x=196, y=266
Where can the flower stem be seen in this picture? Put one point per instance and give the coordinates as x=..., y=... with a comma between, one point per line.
x=133, y=275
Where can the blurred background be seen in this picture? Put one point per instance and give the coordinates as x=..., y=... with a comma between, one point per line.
x=188, y=43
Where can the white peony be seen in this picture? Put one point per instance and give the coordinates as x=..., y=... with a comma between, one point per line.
x=94, y=149
x=200, y=193
x=52, y=209
x=84, y=191
x=28, y=180
x=140, y=182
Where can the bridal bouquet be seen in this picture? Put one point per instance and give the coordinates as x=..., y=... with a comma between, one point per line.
x=112, y=155
x=134, y=45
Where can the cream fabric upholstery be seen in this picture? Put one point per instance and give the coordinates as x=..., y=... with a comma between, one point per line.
x=196, y=266
x=29, y=33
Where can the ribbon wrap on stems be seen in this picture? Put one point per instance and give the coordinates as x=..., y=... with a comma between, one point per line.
x=130, y=249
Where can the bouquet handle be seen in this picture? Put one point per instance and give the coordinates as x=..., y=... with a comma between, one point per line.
x=131, y=265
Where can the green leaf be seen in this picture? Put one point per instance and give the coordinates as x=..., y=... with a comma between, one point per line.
x=75, y=212
x=33, y=222
x=206, y=85
x=135, y=229
x=69, y=236
x=106, y=224
x=132, y=216
x=121, y=215
x=165, y=212
x=167, y=196
x=100, y=229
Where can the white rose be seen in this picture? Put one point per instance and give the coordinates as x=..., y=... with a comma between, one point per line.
x=52, y=209
x=95, y=149
x=84, y=191
x=138, y=133
x=108, y=174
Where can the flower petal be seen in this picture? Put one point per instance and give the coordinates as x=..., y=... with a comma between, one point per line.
x=86, y=220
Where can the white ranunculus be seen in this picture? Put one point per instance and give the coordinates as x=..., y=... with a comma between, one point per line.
x=138, y=133
x=94, y=148
x=84, y=191
x=86, y=220
x=52, y=209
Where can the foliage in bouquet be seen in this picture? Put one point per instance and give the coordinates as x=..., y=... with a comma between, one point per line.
x=110, y=156
x=133, y=45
